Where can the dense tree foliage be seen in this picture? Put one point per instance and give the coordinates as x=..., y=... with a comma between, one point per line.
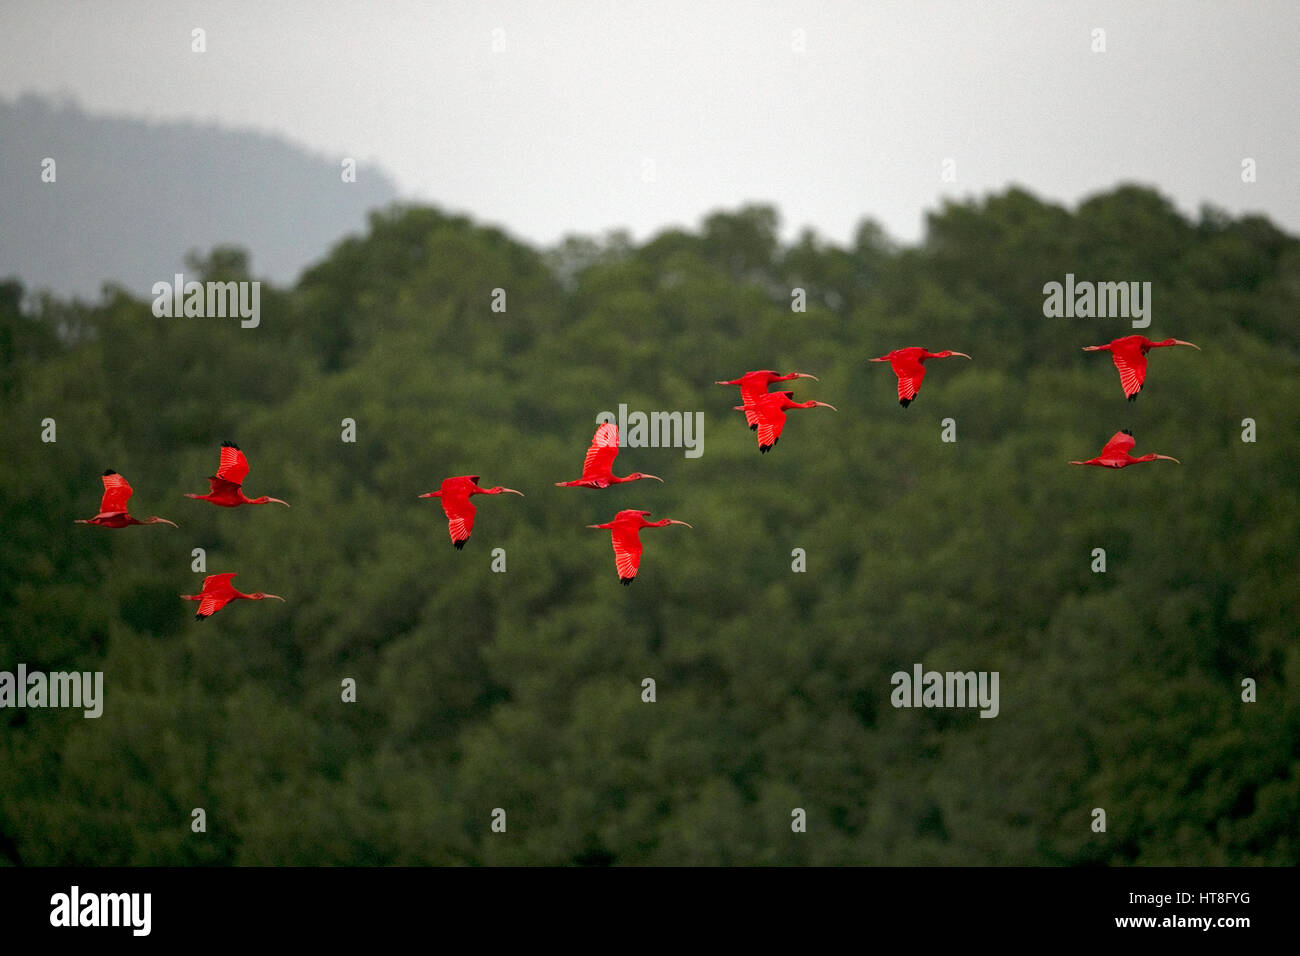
x=522, y=690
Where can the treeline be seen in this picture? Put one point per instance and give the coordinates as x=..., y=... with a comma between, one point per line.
x=523, y=690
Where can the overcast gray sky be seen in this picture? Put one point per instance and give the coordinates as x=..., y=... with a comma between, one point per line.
x=556, y=117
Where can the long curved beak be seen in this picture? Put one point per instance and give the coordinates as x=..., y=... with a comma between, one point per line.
x=655, y=477
x=826, y=405
x=1078, y=462
x=883, y=358
x=430, y=494
x=277, y=501
x=1167, y=458
x=671, y=521
x=596, y=526
x=275, y=596
x=512, y=492
x=720, y=382
x=963, y=355
x=1093, y=348
x=1181, y=342
x=165, y=521
x=806, y=375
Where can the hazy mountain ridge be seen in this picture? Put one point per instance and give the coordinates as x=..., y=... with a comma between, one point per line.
x=131, y=197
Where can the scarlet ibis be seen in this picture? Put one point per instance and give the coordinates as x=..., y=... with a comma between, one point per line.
x=909, y=365
x=597, y=468
x=770, y=413
x=225, y=485
x=112, y=507
x=455, y=493
x=625, y=531
x=1116, y=453
x=1130, y=357
x=754, y=385
x=218, y=592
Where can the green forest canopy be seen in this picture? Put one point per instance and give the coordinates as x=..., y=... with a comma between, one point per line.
x=522, y=690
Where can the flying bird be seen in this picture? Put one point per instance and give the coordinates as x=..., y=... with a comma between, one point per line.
x=455, y=494
x=770, y=410
x=1130, y=357
x=625, y=530
x=1116, y=453
x=909, y=365
x=217, y=593
x=112, y=507
x=597, y=469
x=754, y=385
x=226, y=484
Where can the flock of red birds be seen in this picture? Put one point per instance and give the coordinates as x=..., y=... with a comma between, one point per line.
x=765, y=413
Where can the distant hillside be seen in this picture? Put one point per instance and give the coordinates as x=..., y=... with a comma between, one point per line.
x=132, y=197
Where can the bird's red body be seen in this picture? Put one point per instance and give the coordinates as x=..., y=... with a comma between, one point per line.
x=769, y=413
x=455, y=494
x=625, y=530
x=909, y=365
x=112, y=507
x=226, y=486
x=1116, y=453
x=1130, y=357
x=754, y=385
x=597, y=468
x=218, y=592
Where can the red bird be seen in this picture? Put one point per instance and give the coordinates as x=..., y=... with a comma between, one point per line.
x=1116, y=453
x=597, y=469
x=909, y=365
x=626, y=531
x=1130, y=356
x=112, y=507
x=770, y=413
x=217, y=593
x=754, y=385
x=456, y=505
x=225, y=485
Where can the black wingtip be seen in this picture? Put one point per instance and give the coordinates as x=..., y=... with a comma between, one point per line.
x=627, y=581
x=229, y=444
x=109, y=471
x=764, y=449
x=754, y=427
x=1127, y=432
x=459, y=544
x=905, y=402
x=199, y=617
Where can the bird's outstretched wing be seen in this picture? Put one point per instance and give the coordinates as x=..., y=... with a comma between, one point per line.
x=1119, y=445
x=234, y=466
x=460, y=517
x=770, y=422
x=116, y=494
x=216, y=594
x=603, y=451
x=627, y=551
x=1132, y=365
x=910, y=371
x=751, y=393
